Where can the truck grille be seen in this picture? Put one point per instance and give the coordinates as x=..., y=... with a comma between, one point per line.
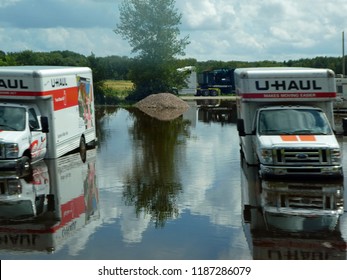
x=314, y=198
x=308, y=201
x=302, y=156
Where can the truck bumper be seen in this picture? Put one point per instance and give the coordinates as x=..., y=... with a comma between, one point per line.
x=17, y=165
x=289, y=171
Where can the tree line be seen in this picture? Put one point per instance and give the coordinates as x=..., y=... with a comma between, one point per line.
x=118, y=67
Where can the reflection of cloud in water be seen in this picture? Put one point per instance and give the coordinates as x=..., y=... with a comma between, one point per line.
x=133, y=227
x=113, y=208
x=204, y=193
x=236, y=248
x=79, y=240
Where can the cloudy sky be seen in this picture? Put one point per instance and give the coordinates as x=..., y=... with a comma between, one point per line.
x=225, y=30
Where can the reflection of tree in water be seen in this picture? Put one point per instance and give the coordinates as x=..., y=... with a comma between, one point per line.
x=154, y=183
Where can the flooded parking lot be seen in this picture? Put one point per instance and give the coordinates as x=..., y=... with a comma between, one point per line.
x=169, y=190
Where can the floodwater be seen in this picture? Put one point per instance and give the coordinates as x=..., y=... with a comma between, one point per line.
x=168, y=190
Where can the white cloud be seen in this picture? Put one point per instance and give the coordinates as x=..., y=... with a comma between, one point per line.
x=100, y=41
x=5, y=3
x=218, y=29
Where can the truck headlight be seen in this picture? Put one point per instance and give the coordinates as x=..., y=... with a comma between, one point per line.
x=335, y=156
x=11, y=150
x=14, y=187
x=266, y=155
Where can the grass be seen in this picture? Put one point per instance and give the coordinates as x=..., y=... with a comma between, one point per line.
x=116, y=91
x=119, y=85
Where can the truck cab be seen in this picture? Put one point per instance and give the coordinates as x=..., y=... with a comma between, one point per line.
x=22, y=136
x=295, y=139
x=286, y=121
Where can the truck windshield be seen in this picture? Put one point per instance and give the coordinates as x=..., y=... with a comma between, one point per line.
x=293, y=121
x=12, y=118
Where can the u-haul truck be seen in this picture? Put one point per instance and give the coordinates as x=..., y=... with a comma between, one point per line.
x=293, y=219
x=24, y=197
x=43, y=211
x=45, y=112
x=286, y=121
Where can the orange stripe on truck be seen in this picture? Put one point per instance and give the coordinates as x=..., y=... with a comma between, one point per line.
x=289, y=138
x=296, y=138
x=307, y=138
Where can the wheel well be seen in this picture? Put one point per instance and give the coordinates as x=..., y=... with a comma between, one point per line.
x=27, y=153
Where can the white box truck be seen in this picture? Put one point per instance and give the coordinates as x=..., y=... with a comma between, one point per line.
x=45, y=112
x=286, y=121
x=45, y=209
x=191, y=80
x=293, y=219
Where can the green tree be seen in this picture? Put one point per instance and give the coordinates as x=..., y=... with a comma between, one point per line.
x=151, y=28
x=6, y=60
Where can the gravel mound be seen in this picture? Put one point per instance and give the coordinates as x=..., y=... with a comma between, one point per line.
x=163, y=106
x=162, y=101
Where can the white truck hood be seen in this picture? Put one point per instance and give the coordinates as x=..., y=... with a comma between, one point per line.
x=272, y=141
x=12, y=136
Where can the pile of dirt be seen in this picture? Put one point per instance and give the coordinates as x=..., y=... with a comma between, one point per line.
x=163, y=106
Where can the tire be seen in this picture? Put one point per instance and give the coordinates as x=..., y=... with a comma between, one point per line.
x=25, y=168
x=83, y=149
x=213, y=92
x=27, y=163
x=205, y=92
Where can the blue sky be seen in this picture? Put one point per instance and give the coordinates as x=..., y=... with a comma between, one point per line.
x=225, y=30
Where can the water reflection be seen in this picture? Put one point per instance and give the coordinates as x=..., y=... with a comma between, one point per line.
x=216, y=110
x=47, y=207
x=169, y=190
x=153, y=182
x=292, y=219
x=173, y=176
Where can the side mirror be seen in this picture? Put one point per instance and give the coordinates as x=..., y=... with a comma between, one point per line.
x=241, y=127
x=44, y=124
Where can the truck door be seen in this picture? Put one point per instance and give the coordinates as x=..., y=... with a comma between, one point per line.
x=38, y=142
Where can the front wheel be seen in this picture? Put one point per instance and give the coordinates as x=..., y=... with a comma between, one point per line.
x=83, y=149
x=24, y=167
